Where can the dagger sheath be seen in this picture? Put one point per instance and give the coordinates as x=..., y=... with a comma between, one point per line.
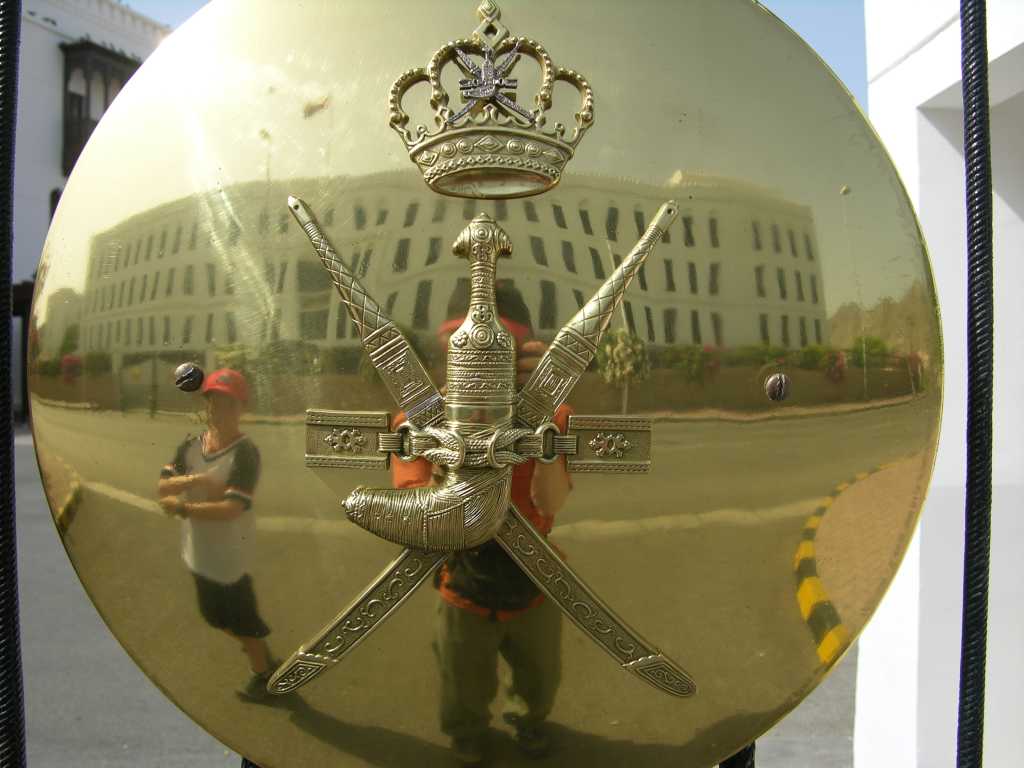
x=574, y=347
x=404, y=375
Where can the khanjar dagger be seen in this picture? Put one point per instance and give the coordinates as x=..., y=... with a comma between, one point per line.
x=487, y=428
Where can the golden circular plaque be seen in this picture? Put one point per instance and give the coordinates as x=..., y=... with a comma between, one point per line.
x=338, y=319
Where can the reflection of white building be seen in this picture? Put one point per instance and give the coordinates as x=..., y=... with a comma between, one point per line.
x=739, y=267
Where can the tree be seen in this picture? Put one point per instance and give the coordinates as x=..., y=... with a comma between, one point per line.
x=622, y=360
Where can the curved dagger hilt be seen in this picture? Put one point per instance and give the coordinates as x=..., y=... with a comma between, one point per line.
x=469, y=507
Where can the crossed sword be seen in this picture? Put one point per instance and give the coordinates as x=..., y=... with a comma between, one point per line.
x=547, y=388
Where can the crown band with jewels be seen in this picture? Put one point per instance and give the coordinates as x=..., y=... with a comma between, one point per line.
x=492, y=147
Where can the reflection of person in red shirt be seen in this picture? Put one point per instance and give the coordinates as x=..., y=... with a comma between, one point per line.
x=488, y=605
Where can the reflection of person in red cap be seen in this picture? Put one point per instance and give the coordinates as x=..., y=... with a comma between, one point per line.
x=488, y=605
x=209, y=484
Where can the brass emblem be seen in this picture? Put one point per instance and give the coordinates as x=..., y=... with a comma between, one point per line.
x=492, y=146
x=479, y=430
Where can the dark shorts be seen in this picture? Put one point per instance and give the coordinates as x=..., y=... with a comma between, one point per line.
x=230, y=606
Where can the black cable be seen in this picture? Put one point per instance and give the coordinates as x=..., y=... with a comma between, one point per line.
x=742, y=759
x=247, y=764
x=977, y=155
x=12, y=710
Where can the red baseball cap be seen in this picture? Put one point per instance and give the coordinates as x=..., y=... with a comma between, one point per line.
x=229, y=382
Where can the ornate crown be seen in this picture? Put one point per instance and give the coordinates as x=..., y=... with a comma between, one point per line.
x=492, y=147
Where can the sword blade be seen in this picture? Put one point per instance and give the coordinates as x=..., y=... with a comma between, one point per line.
x=403, y=373
x=353, y=625
x=560, y=583
x=576, y=344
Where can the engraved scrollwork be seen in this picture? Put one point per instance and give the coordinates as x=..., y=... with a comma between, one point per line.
x=610, y=444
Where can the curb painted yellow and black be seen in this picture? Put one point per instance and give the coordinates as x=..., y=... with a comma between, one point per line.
x=831, y=637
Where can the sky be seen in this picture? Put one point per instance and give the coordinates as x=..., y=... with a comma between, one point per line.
x=833, y=28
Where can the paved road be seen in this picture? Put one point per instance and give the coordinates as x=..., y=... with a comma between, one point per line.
x=81, y=693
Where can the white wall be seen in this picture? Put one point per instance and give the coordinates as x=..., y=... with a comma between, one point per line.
x=907, y=717
x=39, y=138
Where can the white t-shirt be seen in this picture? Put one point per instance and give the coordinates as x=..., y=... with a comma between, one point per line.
x=218, y=550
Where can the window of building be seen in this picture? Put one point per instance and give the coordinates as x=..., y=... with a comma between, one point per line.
x=117, y=333
x=537, y=247
x=186, y=331
x=382, y=217
x=131, y=291
x=641, y=277
x=568, y=256
x=691, y=270
x=641, y=223
x=670, y=277
x=364, y=266
x=765, y=337
x=713, y=271
x=410, y=214
x=649, y=317
x=814, y=289
x=142, y=289
x=401, y=262
x=421, y=310
x=211, y=279
x=152, y=331
x=341, y=324
x=176, y=244
x=312, y=324
x=389, y=304
x=817, y=331
x=781, y=275
x=792, y=242
x=785, y=330
x=776, y=241
x=595, y=261
x=312, y=277
x=194, y=235
x=189, y=286
x=156, y=285
x=439, y=209
x=500, y=210
x=167, y=330
x=578, y=295
x=695, y=326
x=359, y=216
x=559, y=215
x=803, y=331
x=282, y=274
x=611, y=224
x=469, y=209
x=759, y=280
x=433, y=250
x=627, y=308
x=138, y=331
x=530, y=210
x=688, y=239
x=585, y=222
x=799, y=285
x=808, y=248
x=548, y=304
x=149, y=247
x=670, y=316
x=756, y=227
x=713, y=231
x=716, y=328
x=209, y=327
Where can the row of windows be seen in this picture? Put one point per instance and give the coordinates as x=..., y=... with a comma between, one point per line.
x=780, y=276
x=777, y=241
x=139, y=332
x=125, y=256
x=784, y=335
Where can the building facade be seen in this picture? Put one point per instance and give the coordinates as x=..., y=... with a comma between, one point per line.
x=739, y=267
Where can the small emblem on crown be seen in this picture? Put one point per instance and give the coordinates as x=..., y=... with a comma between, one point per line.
x=492, y=146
